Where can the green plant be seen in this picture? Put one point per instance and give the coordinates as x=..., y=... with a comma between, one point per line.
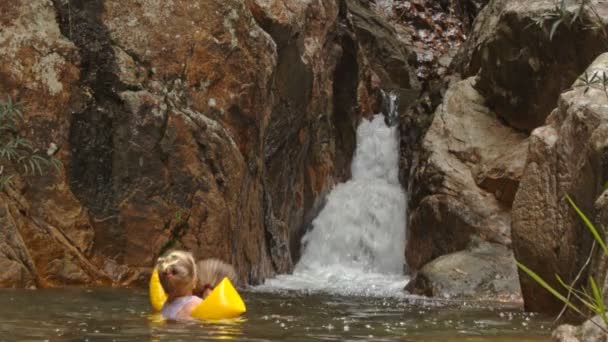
x=17, y=154
x=594, y=81
x=562, y=14
x=591, y=298
x=179, y=216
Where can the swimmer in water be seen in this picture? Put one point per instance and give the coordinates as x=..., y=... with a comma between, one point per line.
x=178, y=276
x=186, y=282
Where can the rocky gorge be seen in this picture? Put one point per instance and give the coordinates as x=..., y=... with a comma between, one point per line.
x=220, y=126
x=212, y=126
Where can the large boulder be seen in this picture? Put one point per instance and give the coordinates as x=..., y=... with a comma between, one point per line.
x=568, y=156
x=521, y=69
x=464, y=140
x=483, y=272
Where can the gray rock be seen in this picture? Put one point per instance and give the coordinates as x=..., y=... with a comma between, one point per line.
x=449, y=206
x=484, y=271
x=593, y=330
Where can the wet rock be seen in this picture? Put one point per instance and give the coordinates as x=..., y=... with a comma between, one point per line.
x=483, y=272
x=565, y=158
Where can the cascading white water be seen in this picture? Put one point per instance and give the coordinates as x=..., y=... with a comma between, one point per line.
x=356, y=245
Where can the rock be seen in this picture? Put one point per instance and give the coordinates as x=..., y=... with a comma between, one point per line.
x=566, y=157
x=468, y=10
x=18, y=267
x=216, y=127
x=521, y=70
x=468, y=182
x=501, y=176
x=448, y=205
x=42, y=219
x=593, y=329
x=483, y=272
x=390, y=58
x=565, y=333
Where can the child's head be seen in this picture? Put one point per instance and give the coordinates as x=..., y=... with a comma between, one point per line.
x=177, y=271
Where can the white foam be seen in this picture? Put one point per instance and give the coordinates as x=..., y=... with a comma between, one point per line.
x=357, y=243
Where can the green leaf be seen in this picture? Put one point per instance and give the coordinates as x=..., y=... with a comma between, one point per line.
x=554, y=28
x=580, y=295
x=595, y=78
x=38, y=161
x=589, y=225
x=5, y=180
x=27, y=171
x=547, y=287
x=32, y=163
x=598, y=300
x=56, y=164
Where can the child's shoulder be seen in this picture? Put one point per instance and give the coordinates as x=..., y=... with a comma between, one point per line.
x=191, y=305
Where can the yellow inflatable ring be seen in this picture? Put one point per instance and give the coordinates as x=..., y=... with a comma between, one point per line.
x=223, y=302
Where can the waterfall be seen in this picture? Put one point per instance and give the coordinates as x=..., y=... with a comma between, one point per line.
x=356, y=244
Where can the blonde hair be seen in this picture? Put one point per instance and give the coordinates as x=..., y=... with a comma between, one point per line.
x=212, y=271
x=177, y=257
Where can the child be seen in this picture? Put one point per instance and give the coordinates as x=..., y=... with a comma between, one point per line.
x=178, y=276
x=186, y=283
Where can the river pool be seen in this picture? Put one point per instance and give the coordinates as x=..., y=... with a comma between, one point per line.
x=124, y=315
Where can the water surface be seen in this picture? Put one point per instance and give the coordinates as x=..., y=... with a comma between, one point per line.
x=124, y=315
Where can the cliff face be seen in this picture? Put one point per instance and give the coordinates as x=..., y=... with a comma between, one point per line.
x=212, y=126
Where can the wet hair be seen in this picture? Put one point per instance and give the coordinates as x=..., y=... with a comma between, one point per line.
x=182, y=269
x=211, y=272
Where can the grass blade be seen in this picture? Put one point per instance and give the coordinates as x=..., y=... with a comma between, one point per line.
x=598, y=300
x=589, y=225
x=554, y=28
x=580, y=295
x=547, y=287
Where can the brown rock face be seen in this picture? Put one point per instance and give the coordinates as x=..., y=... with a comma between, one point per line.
x=567, y=156
x=211, y=126
x=46, y=233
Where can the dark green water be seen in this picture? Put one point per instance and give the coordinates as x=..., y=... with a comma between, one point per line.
x=124, y=315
